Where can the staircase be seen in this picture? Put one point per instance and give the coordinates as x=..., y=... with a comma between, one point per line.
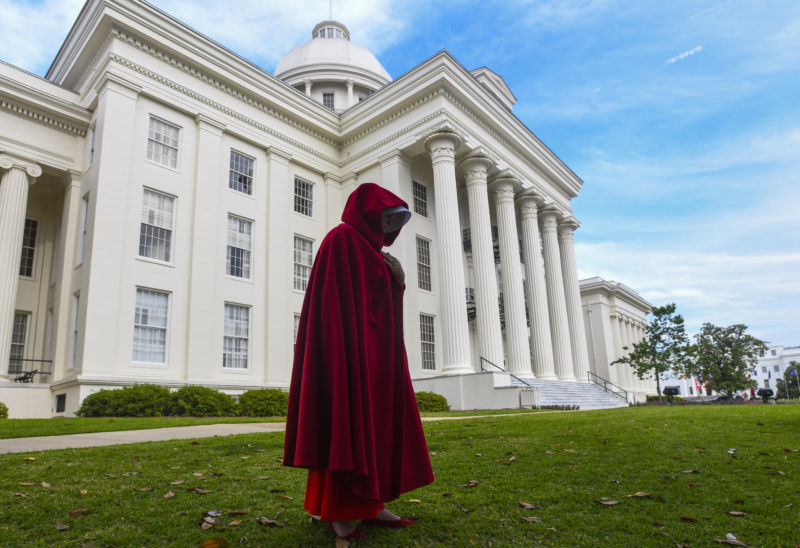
x=582, y=394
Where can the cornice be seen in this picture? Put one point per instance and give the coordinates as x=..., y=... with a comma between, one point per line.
x=42, y=117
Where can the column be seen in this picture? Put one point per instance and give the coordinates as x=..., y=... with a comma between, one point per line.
x=490, y=336
x=349, y=93
x=307, y=83
x=453, y=305
x=541, y=339
x=18, y=176
x=572, y=294
x=556, y=303
x=517, y=339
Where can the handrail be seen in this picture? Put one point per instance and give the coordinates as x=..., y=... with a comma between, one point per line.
x=619, y=392
x=503, y=370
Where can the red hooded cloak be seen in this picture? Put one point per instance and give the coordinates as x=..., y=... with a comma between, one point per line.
x=352, y=407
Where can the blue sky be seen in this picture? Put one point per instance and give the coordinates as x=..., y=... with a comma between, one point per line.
x=682, y=118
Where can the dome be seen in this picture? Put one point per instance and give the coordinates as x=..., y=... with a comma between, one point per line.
x=331, y=56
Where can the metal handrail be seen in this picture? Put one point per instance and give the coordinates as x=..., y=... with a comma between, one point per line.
x=605, y=384
x=503, y=370
x=20, y=370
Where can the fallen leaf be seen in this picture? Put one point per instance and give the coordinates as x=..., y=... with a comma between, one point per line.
x=287, y=497
x=214, y=513
x=84, y=492
x=145, y=489
x=269, y=522
x=737, y=501
x=737, y=514
x=691, y=471
x=194, y=443
x=608, y=502
x=214, y=542
x=169, y=495
x=616, y=481
x=176, y=482
x=569, y=450
x=447, y=494
x=640, y=494
x=30, y=458
x=245, y=457
x=60, y=526
x=763, y=453
x=781, y=472
x=512, y=459
x=532, y=519
x=237, y=512
x=23, y=495
x=26, y=483
x=548, y=452
x=199, y=490
x=128, y=474
x=465, y=510
x=434, y=453
x=45, y=485
x=470, y=483
x=478, y=455
x=78, y=512
x=262, y=477
x=690, y=519
x=730, y=539
x=528, y=505
x=417, y=501
x=198, y=474
x=173, y=467
x=234, y=523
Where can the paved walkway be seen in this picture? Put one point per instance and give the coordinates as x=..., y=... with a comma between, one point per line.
x=97, y=439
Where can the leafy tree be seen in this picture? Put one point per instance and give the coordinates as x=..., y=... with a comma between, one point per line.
x=789, y=381
x=724, y=356
x=665, y=346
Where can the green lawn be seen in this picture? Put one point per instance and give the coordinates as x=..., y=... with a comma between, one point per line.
x=564, y=464
x=27, y=428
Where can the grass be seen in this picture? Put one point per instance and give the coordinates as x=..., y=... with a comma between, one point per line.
x=27, y=428
x=563, y=463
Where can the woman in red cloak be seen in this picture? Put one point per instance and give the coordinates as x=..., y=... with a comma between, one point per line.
x=353, y=419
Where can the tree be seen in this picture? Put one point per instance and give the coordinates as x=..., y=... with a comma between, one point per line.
x=724, y=356
x=789, y=380
x=665, y=346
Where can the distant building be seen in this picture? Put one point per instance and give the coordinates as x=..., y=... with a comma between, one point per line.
x=772, y=364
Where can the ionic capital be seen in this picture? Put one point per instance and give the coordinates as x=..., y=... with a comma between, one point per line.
x=567, y=226
x=10, y=162
x=529, y=204
x=442, y=145
x=504, y=185
x=475, y=168
x=548, y=217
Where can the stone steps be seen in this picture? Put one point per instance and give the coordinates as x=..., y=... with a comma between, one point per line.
x=585, y=395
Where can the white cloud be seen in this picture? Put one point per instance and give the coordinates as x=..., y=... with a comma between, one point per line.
x=32, y=32
x=684, y=55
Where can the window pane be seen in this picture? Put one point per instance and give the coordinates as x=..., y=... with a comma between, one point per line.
x=427, y=341
x=240, y=244
x=150, y=326
x=303, y=260
x=236, y=339
x=424, y=264
x=304, y=197
x=162, y=143
x=420, y=199
x=28, y=247
x=155, y=233
x=18, y=334
x=241, y=173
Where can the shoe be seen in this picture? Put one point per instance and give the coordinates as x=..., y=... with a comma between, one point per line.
x=391, y=523
x=355, y=535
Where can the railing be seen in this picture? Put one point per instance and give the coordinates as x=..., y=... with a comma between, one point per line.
x=20, y=373
x=484, y=360
x=608, y=386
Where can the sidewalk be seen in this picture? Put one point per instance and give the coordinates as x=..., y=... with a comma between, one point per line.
x=97, y=439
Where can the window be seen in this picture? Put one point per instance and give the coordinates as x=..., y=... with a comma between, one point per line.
x=84, y=216
x=73, y=345
x=303, y=259
x=241, y=173
x=28, y=248
x=760, y=353
x=304, y=197
x=420, y=199
x=773, y=353
x=162, y=143
x=155, y=235
x=327, y=100
x=296, y=327
x=19, y=332
x=61, y=403
x=240, y=245
x=776, y=368
x=763, y=369
x=92, y=132
x=428, y=342
x=424, y=264
x=150, y=326
x=236, y=342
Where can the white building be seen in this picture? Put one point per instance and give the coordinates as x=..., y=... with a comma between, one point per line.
x=161, y=201
x=772, y=365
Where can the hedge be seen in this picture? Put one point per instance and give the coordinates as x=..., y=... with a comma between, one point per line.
x=3, y=411
x=267, y=402
x=429, y=401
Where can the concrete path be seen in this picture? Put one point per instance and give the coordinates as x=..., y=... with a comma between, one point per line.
x=97, y=439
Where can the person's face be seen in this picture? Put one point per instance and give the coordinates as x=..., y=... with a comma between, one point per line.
x=392, y=219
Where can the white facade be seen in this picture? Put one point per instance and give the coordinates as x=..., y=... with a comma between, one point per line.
x=615, y=316
x=772, y=364
x=178, y=194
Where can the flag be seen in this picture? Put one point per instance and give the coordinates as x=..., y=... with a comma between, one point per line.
x=770, y=373
x=697, y=385
x=793, y=372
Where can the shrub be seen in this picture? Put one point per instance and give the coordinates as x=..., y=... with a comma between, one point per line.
x=199, y=401
x=267, y=402
x=139, y=400
x=429, y=401
x=3, y=411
